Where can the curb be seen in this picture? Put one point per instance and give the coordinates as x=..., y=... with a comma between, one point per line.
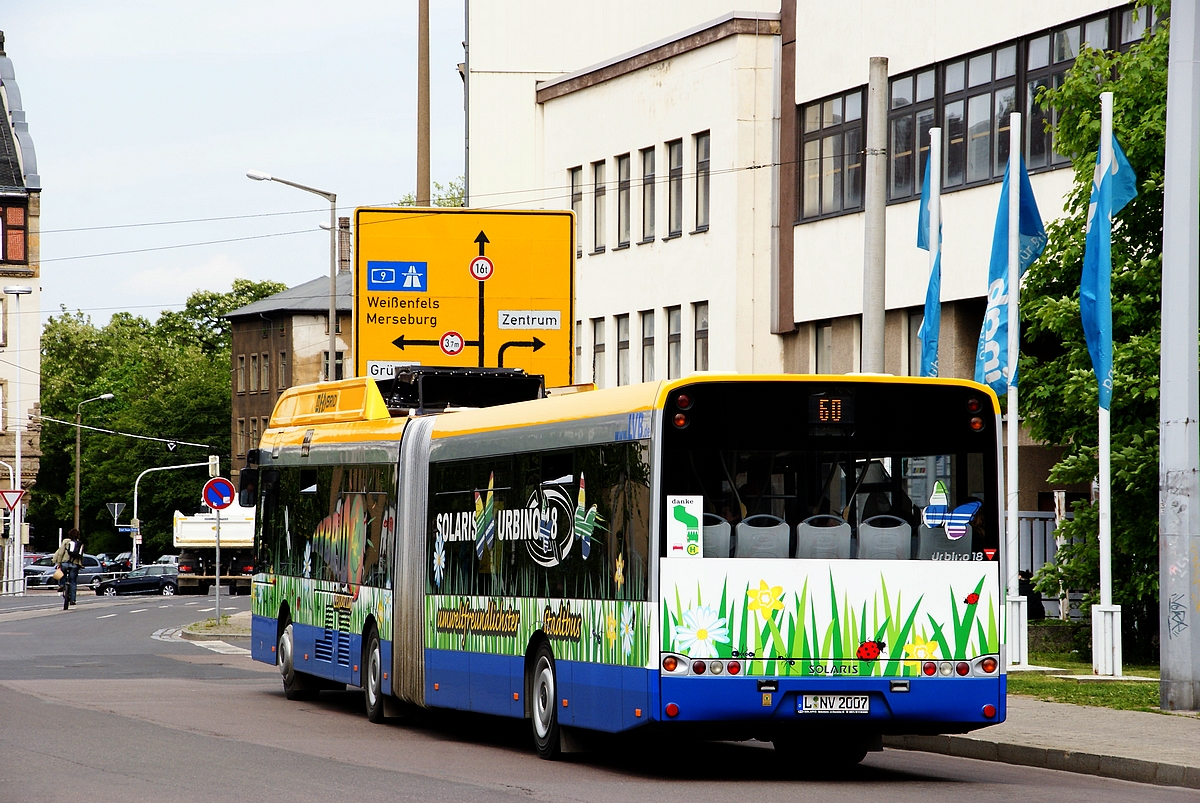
x=1121, y=768
x=212, y=636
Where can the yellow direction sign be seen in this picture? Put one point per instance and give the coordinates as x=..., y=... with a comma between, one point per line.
x=464, y=288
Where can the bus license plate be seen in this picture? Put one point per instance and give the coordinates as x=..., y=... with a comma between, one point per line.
x=834, y=704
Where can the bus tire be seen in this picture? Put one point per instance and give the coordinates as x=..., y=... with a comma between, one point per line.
x=295, y=686
x=373, y=679
x=543, y=703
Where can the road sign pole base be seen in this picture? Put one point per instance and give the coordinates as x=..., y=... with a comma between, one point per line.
x=1018, y=631
x=1106, y=640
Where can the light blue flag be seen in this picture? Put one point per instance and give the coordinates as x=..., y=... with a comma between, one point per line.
x=931, y=324
x=1111, y=190
x=991, y=360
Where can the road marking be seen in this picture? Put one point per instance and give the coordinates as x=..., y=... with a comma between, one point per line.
x=222, y=647
x=106, y=616
x=206, y=610
x=140, y=610
x=170, y=634
x=191, y=603
x=165, y=606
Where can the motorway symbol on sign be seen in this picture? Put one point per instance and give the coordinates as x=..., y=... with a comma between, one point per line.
x=218, y=493
x=482, y=267
x=11, y=498
x=452, y=343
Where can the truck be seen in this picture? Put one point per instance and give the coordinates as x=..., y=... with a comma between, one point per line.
x=196, y=539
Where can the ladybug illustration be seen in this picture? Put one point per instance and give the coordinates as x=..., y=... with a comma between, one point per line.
x=971, y=599
x=869, y=650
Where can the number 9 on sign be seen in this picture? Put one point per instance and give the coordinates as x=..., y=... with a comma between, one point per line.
x=452, y=343
x=481, y=268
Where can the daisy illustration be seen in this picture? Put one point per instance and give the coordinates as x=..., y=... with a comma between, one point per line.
x=308, y=560
x=765, y=598
x=700, y=632
x=439, y=561
x=627, y=630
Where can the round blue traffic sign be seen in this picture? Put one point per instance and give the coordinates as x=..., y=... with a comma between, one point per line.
x=218, y=493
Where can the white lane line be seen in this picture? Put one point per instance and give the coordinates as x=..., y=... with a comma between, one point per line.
x=191, y=603
x=140, y=610
x=106, y=616
x=206, y=610
x=166, y=606
x=222, y=647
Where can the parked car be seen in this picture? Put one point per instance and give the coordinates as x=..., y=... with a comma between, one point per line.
x=168, y=560
x=30, y=557
x=122, y=562
x=152, y=579
x=40, y=573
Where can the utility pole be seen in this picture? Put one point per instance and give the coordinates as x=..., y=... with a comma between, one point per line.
x=875, y=206
x=1179, y=410
x=423, y=195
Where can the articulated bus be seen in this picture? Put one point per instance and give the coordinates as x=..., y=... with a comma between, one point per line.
x=810, y=560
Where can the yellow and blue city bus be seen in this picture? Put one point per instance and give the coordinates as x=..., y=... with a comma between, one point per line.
x=811, y=560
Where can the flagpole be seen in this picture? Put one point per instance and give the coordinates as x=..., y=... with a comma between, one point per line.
x=1018, y=621
x=1106, y=619
x=934, y=165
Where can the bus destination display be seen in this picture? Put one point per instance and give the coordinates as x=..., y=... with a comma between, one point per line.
x=831, y=409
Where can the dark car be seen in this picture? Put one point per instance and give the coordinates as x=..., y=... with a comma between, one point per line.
x=41, y=572
x=154, y=579
x=121, y=563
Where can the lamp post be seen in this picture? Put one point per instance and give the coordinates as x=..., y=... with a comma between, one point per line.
x=78, y=415
x=258, y=175
x=137, y=523
x=16, y=291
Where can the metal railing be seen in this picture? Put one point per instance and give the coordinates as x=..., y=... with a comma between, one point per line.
x=1038, y=546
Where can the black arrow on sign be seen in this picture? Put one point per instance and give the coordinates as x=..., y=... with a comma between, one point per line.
x=400, y=342
x=481, y=239
x=535, y=344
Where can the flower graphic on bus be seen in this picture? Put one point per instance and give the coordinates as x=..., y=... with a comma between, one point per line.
x=307, y=560
x=700, y=632
x=610, y=628
x=921, y=649
x=765, y=598
x=585, y=521
x=439, y=561
x=627, y=614
x=485, y=518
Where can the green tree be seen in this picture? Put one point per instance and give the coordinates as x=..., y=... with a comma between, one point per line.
x=171, y=379
x=448, y=195
x=1058, y=387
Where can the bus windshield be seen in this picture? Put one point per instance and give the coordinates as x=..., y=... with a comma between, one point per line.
x=891, y=480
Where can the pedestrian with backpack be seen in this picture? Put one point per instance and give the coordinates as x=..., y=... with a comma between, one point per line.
x=69, y=559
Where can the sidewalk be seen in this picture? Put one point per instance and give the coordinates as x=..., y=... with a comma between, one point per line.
x=1136, y=746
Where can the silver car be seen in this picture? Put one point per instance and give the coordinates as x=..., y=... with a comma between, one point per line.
x=40, y=573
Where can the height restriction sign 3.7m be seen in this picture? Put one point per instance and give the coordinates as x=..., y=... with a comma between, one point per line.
x=464, y=288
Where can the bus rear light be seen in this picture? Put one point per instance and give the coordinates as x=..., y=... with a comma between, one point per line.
x=672, y=710
x=680, y=420
x=698, y=667
x=976, y=424
x=670, y=663
x=974, y=405
x=715, y=667
x=683, y=401
x=929, y=669
x=989, y=711
x=734, y=667
x=962, y=668
x=945, y=669
x=989, y=665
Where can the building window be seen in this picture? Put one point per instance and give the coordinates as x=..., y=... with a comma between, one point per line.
x=598, y=352
x=241, y=373
x=253, y=433
x=979, y=95
x=339, y=325
x=1047, y=59
x=824, y=348
x=253, y=373
x=623, y=201
x=577, y=207
x=266, y=424
x=337, y=364
x=702, y=141
x=674, y=347
x=648, y=346
x=579, y=352
x=912, y=109
x=283, y=369
x=266, y=371
x=13, y=227
x=648, y=195
x=599, y=199
x=622, y=349
x=831, y=161
x=674, y=188
x=241, y=437
x=701, y=311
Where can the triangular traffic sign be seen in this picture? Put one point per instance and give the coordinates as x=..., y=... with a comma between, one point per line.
x=991, y=553
x=12, y=498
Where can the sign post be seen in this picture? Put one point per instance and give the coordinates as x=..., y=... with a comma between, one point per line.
x=218, y=494
x=462, y=288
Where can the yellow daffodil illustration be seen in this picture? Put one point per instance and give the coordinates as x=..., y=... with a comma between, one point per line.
x=765, y=598
x=921, y=649
x=610, y=628
x=619, y=575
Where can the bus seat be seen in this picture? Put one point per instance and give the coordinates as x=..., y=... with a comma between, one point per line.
x=762, y=536
x=716, y=536
x=885, y=537
x=828, y=539
x=933, y=541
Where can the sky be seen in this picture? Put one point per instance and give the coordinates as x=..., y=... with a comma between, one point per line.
x=146, y=116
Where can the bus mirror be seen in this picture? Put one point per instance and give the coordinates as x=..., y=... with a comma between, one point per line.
x=248, y=487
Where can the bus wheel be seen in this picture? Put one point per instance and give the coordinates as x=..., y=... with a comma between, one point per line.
x=294, y=687
x=543, y=696
x=373, y=682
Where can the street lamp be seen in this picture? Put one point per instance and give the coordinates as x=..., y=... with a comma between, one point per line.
x=258, y=175
x=16, y=291
x=78, y=429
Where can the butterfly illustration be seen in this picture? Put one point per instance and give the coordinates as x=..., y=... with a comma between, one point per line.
x=955, y=521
